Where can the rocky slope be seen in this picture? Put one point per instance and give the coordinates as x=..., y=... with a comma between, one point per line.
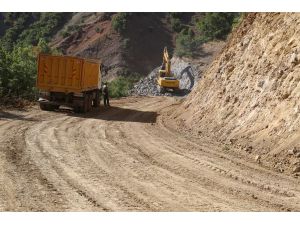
x=249, y=97
x=137, y=49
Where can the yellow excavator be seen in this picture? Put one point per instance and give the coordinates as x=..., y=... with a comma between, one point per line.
x=165, y=79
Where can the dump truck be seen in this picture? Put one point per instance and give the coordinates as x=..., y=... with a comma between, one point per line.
x=165, y=79
x=68, y=81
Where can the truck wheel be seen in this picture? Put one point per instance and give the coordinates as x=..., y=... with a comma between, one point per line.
x=77, y=109
x=43, y=106
x=96, y=101
x=85, y=103
x=46, y=107
x=90, y=102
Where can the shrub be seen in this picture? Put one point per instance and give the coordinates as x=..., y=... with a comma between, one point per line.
x=121, y=86
x=126, y=43
x=176, y=24
x=18, y=69
x=47, y=25
x=216, y=25
x=119, y=22
x=65, y=34
x=18, y=72
x=186, y=44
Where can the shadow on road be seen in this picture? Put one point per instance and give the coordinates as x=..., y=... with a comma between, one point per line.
x=9, y=115
x=115, y=113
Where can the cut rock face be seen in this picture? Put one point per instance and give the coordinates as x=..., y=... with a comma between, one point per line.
x=251, y=90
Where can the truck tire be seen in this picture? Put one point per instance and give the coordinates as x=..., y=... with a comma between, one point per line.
x=48, y=107
x=83, y=104
x=90, y=102
x=43, y=106
x=96, y=101
x=85, y=107
x=77, y=109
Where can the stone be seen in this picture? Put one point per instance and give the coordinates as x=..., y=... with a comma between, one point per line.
x=257, y=158
x=293, y=151
x=296, y=169
x=295, y=163
x=290, y=152
x=249, y=149
x=294, y=59
x=260, y=84
x=181, y=69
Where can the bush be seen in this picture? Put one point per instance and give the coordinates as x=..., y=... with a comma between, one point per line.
x=217, y=25
x=18, y=72
x=120, y=86
x=186, y=43
x=18, y=69
x=176, y=24
x=119, y=22
x=126, y=43
x=45, y=27
x=65, y=34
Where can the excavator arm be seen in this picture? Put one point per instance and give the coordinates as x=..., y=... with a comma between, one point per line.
x=166, y=67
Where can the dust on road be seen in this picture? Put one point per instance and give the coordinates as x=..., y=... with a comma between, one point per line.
x=128, y=158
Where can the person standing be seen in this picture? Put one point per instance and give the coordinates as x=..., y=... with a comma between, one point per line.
x=105, y=94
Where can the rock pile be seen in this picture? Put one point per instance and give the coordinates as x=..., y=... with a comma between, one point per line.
x=181, y=69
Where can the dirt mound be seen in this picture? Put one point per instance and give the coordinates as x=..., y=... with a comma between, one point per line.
x=250, y=96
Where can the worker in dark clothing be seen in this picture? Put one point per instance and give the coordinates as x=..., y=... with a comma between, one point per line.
x=105, y=94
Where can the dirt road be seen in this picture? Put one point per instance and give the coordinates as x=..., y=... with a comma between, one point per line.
x=128, y=158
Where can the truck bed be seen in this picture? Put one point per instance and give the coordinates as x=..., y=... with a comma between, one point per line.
x=67, y=74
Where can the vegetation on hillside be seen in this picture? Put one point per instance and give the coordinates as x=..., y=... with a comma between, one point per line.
x=18, y=70
x=212, y=26
x=121, y=86
x=24, y=35
x=119, y=21
x=217, y=25
x=23, y=29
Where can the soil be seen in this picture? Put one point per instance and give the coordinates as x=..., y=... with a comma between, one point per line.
x=137, y=49
x=249, y=96
x=132, y=156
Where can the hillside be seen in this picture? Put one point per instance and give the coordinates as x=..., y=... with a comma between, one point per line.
x=249, y=98
x=136, y=49
x=125, y=42
x=129, y=44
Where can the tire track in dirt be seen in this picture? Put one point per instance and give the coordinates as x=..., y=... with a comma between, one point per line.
x=122, y=160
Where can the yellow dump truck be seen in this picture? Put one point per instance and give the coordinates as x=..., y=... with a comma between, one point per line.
x=68, y=81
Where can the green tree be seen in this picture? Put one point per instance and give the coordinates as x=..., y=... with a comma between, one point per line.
x=120, y=86
x=176, y=24
x=186, y=43
x=217, y=25
x=18, y=69
x=119, y=21
x=43, y=46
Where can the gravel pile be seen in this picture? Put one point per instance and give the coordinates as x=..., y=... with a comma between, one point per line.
x=181, y=69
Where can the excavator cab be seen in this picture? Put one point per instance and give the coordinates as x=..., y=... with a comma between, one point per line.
x=166, y=80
